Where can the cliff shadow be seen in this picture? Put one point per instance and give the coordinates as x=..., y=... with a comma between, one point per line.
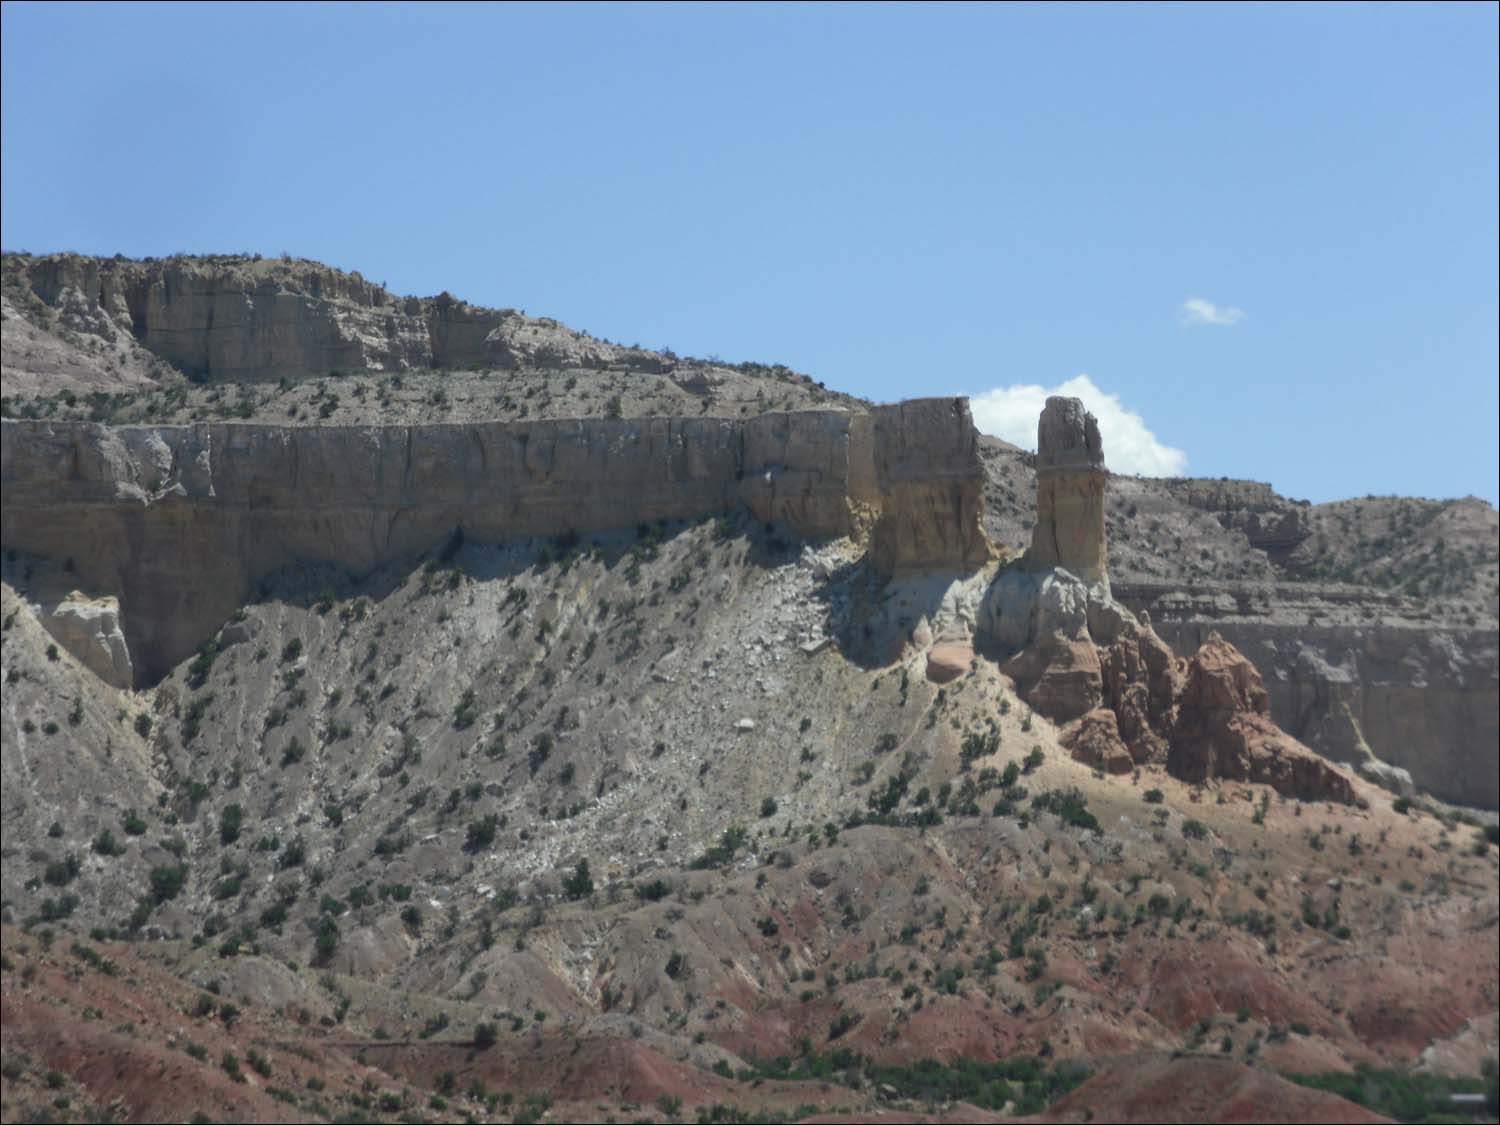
x=877, y=618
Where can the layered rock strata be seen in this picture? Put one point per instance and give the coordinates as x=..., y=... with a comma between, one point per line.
x=929, y=487
x=180, y=522
x=1392, y=690
x=1070, y=477
x=235, y=318
x=1085, y=661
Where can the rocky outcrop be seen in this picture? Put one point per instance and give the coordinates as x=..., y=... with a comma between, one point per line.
x=1143, y=684
x=928, y=487
x=1070, y=477
x=1124, y=699
x=1270, y=522
x=244, y=319
x=89, y=628
x=1400, y=693
x=180, y=522
x=1045, y=623
x=1224, y=730
x=1085, y=661
x=1095, y=741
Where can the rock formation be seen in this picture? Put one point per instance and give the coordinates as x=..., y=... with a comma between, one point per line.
x=235, y=318
x=928, y=486
x=180, y=522
x=1223, y=729
x=89, y=628
x=1395, y=693
x=1070, y=476
x=1085, y=661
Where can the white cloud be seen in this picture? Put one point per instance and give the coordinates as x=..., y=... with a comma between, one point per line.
x=1196, y=310
x=1011, y=413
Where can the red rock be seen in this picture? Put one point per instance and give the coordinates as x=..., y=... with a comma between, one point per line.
x=1059, y=677
x=1095, y=741
x=1224, y=730
x=1142, y=683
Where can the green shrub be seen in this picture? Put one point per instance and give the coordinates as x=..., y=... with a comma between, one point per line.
x=1069, y=806
x=293, y=753
x=580, y=884
x=230, y=822
x=167, y=881
x=481, y=833
x=654, y=891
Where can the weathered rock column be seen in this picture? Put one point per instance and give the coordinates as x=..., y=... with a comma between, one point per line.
x=1070, y=475
x=928, y=487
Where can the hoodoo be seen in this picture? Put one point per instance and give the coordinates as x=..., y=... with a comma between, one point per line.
x=1070, y=476
x=1086, y=662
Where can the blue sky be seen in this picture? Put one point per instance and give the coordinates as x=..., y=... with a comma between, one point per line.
x=898, y=200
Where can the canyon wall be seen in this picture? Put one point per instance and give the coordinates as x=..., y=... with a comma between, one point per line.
x=1418, y=696
x=180, y=522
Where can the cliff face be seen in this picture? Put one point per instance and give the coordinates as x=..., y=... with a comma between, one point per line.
x=928, y=487
x=1419, y=697
x=180, y=522
x=238, y=319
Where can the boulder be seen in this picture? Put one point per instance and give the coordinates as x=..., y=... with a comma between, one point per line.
x=948, y=661
x=1095, y=741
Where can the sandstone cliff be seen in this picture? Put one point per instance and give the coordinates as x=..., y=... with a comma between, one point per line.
x=236, y=318
x=181, y=522
x=1070, y=476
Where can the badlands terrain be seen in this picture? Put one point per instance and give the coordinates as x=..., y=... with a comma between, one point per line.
x=416, y=711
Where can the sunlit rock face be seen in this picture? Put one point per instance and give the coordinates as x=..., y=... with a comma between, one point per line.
x=1069, y=529
x=180, y=522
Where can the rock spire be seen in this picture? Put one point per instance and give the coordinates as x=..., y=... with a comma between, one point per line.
x=1070, y=476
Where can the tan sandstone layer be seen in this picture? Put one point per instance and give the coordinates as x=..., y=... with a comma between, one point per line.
x=1070, y=477
x=180, y=522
